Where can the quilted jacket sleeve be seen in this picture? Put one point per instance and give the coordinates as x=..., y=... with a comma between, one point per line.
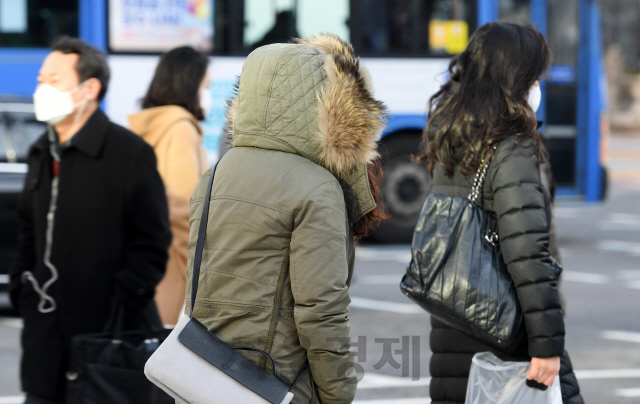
x=522, y=209
x=319, y=272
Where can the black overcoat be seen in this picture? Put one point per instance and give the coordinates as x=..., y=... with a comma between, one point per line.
x=512, y=192
x=110, y=238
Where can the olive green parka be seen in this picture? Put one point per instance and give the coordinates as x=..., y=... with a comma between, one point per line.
x=279, y=251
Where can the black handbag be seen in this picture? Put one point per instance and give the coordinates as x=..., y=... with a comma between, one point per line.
x=457, y=272
x=107, y=367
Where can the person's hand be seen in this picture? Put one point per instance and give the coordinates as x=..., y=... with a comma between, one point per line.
x=544, y=370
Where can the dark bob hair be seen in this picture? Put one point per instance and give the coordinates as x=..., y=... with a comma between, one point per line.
x=177, y=80
x=91, y=62
x=485, y=100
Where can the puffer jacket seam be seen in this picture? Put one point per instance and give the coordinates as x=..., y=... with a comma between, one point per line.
x=523, y=233
x=231, y=303
x=514, y=184
x=547, y=336
x=231, y=198
x=529, y=258
x=276, y=310
x=536, y=283
x=520, y=209
x=270, y=92
x=284, y=312
x=239, y=276
x=550, y=309
x=239, y=133
x=312, y=191
x=293, y=168
x=320, y=312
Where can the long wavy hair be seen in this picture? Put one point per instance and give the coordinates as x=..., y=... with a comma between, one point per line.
x=375, y=217
x=485, y=99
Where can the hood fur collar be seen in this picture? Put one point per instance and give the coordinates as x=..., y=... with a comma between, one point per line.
x=350, y=120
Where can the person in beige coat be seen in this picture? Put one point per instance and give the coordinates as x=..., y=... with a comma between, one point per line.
x=176, y=100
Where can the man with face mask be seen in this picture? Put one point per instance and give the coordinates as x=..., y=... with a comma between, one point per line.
x=94, y=227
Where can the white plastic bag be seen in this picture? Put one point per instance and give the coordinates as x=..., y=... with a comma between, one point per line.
x=494, y=381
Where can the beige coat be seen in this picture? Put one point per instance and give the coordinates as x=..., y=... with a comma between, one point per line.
x=176, y=138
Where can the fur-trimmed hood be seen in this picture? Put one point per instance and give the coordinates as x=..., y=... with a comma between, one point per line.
x=311, y=98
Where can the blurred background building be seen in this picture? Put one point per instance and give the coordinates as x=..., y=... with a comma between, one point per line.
x=621, y=40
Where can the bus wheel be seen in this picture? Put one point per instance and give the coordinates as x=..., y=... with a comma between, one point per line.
x=404, y=188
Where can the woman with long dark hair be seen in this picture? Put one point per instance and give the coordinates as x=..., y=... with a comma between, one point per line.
x=178, y=97
x=486, y=113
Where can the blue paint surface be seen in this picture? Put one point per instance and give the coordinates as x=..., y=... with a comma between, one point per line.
x=561, y=74
x=19, y=70
x=399, y=122
x=488, y=10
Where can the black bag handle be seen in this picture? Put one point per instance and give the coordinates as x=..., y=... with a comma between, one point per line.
x=115, y=321
x=195, y=274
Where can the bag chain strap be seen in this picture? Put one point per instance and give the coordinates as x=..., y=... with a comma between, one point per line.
x=491, y=236
x=479, y=179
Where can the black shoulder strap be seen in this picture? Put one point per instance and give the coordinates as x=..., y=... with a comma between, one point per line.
x=197, y=260
x=202, y=232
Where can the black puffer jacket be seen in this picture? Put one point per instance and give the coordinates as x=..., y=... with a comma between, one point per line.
x=513, y=192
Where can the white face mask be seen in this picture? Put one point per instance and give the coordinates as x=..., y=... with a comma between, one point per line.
x=52, y=105
x=206, y=102
x=533, y=99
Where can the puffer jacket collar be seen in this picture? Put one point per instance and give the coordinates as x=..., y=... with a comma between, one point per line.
x=312, y=98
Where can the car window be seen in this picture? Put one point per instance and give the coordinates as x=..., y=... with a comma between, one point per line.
x=33, y=23
x=18, y=130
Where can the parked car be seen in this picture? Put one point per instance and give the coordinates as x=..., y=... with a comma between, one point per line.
x=18, y=130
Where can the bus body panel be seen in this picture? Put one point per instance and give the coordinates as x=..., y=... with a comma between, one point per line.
x=403, y=84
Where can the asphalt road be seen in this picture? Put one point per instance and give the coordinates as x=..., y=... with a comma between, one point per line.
x=600, y=248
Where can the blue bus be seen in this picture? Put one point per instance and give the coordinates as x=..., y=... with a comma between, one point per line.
x=406, y=45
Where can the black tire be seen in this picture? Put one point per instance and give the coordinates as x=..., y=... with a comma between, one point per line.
x=404, y=188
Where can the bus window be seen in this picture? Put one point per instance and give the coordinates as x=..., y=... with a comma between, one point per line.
x=563, y=32
x=516, y=11
x=253, y=23
x=411, y=27
x=374, y=27
x=34, y=23
x=279, y=21
x=562, y=89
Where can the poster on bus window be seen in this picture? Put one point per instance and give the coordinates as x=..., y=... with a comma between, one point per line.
x=450, y=36
x=150, y=26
